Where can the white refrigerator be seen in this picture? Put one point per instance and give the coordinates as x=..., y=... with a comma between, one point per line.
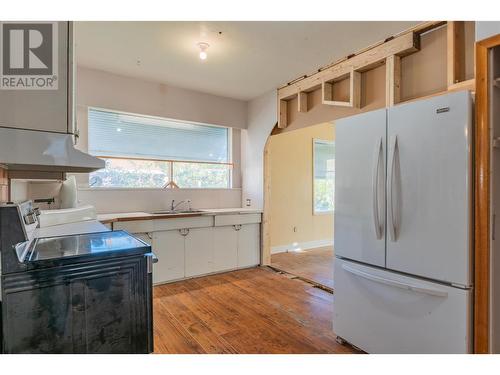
x=403, y=192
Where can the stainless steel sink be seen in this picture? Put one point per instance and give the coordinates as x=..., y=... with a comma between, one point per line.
x=176, y=212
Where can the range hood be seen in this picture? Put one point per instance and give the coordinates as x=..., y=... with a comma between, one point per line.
x=43, y=151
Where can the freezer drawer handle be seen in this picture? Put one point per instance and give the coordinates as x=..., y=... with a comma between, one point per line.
x=397, y=284
x=377, y=155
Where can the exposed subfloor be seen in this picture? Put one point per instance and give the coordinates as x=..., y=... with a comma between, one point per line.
x=315, y=265
x=255, y=310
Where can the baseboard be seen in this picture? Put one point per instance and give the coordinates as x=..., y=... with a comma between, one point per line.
x=301, y=246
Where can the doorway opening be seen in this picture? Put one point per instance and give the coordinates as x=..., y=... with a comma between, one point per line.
x=301, y=183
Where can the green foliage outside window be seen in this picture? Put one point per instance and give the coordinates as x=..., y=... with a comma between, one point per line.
x=324, y=176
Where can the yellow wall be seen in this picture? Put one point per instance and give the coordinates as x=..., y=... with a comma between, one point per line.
x=291, y=181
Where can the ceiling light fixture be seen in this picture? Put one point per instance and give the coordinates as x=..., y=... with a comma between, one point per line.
x=203, y=50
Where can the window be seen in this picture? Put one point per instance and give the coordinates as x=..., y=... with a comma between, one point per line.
x=324, y=176
x=148, y=152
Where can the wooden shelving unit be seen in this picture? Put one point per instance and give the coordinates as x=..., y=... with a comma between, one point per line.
x=354, y=90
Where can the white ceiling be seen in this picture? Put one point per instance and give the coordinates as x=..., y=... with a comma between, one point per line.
x=245, y=59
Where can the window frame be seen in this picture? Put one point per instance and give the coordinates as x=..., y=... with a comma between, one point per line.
x=229, y=163
x=314, y=142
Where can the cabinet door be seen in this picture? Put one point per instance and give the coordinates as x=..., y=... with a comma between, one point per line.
x=225, y=248
x=360, y=148
x=199, y=251
x=249, y=245
x=168, y=246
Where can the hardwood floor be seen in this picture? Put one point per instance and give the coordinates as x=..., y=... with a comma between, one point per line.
x=315, y=264
x=248, y=311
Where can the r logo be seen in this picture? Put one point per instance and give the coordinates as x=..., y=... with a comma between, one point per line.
x=28, y=50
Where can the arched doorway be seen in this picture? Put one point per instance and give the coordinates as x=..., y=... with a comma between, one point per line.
x=299, y=168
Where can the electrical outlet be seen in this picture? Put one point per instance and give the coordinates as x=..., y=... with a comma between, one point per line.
x=249, y=202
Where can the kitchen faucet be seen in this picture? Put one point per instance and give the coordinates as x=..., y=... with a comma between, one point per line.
x=173, y=206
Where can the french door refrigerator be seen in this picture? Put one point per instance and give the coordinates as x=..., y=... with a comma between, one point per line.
x=403, y=275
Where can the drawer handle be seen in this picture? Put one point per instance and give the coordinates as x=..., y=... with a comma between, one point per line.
x=184, y=232
x=395, y=283
x=237, y=227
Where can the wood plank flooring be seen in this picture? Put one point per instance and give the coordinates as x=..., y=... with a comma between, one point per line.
x=248, y=311
x=315, y=264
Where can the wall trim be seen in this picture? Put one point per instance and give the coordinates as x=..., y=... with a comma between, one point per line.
x=301, y=245
x=482, y=198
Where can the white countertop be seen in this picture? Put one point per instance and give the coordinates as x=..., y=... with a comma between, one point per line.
x=149, y=216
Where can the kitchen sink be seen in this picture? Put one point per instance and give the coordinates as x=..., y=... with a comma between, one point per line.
x=177, y=212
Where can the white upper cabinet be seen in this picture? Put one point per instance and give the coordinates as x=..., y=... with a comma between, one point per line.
x=42, y=108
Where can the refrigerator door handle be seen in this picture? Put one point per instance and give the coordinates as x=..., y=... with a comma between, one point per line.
x=393, y=219
x=398, y=284
x=375, y=189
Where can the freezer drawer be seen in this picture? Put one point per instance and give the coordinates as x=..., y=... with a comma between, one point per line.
x=384, y=312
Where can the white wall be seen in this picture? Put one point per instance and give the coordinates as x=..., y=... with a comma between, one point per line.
x=485, y=29
x=96, y=88
x=127, y=200
x=261, y=121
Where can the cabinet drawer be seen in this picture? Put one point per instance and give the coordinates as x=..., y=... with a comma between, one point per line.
x=222, y=220
x=183, y=222
x=135, y=226
x=156, y=225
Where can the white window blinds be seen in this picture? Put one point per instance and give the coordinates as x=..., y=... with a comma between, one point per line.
x=134, y=136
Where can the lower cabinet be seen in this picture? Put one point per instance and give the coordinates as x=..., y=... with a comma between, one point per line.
x=225, y=248
x=168, y=247
x=236, y=246
x=199, y=251
x=248, y=245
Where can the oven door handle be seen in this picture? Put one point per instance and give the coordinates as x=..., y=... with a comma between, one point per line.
x=151, y=258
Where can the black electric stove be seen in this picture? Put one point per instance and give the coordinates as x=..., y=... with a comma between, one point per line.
x=80, y=293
